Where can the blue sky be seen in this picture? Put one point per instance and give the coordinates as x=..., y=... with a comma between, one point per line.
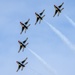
x=42, y=39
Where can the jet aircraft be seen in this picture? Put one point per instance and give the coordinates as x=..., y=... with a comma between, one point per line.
x=22, y=44
x=21, y=64
x=24, y=26
x=39, y=17
x=57, y=9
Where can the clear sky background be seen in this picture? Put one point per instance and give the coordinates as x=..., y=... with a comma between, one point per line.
x=42, y=39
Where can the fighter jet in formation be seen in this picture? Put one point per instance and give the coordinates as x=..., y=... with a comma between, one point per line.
x=21, y=64
x=39, y=17
x=24, y=26
x=57, y=9
x=22, y=45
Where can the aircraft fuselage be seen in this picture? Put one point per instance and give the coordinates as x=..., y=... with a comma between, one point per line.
x=23, y=25
x=20, y=64
x=21, y=44
x=57, y=8
x=38, y=16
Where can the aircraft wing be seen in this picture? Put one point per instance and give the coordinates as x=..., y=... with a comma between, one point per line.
x=42, y=12
x=25, y=40
x=24, y=60
x=20, y=49
x=55, y=12
x=60, y=5
x=37, y=20
x=19, y=66
x=22, y=30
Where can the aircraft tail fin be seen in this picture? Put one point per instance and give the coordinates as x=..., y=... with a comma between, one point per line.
x=17, y=70
x=27, y=22
x=62, y=9
x=28, y=25
x=22, y=69
x=21, y=32
x=41, y=19
x=26, y=58
x=58, y=13
x=43, y=16
x=42, y=12
x=25, y=40
x=26, y=44
x=26, y=63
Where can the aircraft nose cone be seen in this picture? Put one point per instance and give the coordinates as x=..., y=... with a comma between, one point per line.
x=16, y=61
x=18, y=41
x=55, y=6
x=20, y=22
x=35, y=12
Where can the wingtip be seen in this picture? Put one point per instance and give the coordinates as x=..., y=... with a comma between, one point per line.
x=18, y=51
